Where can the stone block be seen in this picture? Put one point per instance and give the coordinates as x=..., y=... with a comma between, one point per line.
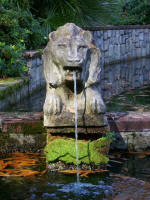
x=106, y=45
x=109, y=33
x=121, y=32
x=105, y=35
x=141, y=36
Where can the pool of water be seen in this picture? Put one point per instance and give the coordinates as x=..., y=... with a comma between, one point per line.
x=54, y=187
x=100, y=186
x=32, y=103
x=134, y=100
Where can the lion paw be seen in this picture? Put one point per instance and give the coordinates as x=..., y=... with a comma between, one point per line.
x=53, y=105
x=97, y=105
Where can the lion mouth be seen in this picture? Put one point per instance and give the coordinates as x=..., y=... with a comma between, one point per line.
x=72, y=69
x=69, y=72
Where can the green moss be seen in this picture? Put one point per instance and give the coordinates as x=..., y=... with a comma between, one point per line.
x=63, y=149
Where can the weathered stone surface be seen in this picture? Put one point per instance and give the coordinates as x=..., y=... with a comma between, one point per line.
x=26, y=123
x=87, y=131
x=70, y=49
x=132, y=130
x=129, y=121
x=136, y=141
x=14, y=142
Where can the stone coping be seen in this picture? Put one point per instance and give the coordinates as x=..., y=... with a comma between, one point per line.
x=123, y=27
x=32, y=53
x=129, y=121
x=119, y=122
x=37, y=53
x=10, y=82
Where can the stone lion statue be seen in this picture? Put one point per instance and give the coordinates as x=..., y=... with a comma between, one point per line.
x=70, y=49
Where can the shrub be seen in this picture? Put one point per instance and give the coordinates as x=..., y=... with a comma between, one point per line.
x=18, y=31
x=135, y=12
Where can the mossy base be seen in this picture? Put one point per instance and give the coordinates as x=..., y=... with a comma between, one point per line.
x=90, y=152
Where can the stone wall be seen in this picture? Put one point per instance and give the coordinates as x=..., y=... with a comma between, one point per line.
x=125, y=51
x=35, y=73
x=16, y=91
x=122, y=42
x=124, y=76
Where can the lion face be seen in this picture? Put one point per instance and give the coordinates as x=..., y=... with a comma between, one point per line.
x=70, y=54
x=70, y=49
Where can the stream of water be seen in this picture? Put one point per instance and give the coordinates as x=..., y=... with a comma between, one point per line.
x=76, y=125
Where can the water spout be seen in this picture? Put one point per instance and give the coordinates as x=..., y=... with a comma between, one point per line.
x=76, y=125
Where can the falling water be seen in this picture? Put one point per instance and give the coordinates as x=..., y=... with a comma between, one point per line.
x=76, y=125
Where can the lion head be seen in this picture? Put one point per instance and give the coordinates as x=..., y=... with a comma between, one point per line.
x=70, y=49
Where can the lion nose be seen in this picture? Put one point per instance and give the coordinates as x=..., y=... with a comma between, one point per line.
x=74, y=60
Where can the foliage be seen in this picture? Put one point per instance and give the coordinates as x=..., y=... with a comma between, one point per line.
x=18, y=31
x=134, y=12
x=11, y=61
x=54, y=13
x=25, y=24
x=87, y=12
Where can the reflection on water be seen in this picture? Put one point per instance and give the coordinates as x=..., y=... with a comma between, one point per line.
x=135, y=100
x=33, y=103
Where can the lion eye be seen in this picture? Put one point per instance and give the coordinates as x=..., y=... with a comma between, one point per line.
x=62, y=45
x=82, y=46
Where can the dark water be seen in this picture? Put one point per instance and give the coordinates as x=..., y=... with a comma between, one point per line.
x=32, y=103
x=135, y=100
x=52, y=186
x=133, y=165
x=64, y=187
